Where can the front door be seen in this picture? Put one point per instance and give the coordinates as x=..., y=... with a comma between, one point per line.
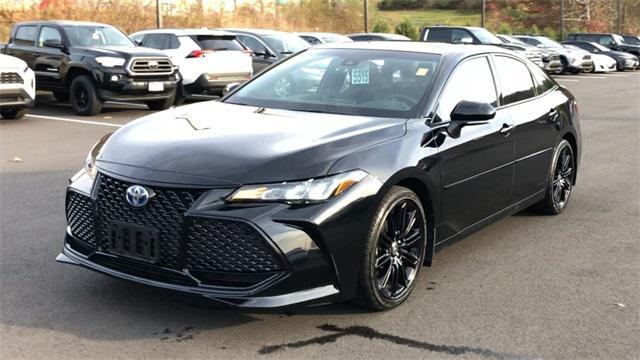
x=48, y=60
x=477, y=168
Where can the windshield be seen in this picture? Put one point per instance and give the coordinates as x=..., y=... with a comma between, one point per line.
x=633, y=40
x=486, y=37
x=84, y=35
x=548, y=43
x=286, y=44
x=599, y=47
x=517, y=41
x=344, y=81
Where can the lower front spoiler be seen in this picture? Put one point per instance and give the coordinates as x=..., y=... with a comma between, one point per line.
x=68, y=256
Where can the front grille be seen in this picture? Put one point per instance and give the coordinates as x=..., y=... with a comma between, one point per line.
x=10, y=78
x=587, y=57
x=228, y=246
x=164, y=212
x=151, y=66
x=80, y=217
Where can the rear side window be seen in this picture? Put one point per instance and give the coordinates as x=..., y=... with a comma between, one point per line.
x=310, y=39
x=172, y=42
x=472, y=81
x=542, y=81
x=515, y=80
x=447, y=35
x=25, y=35
x=217, y=43
x=154, y=41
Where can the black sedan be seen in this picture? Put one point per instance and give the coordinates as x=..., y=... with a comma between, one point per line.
x=624, y=60
x=333, y=175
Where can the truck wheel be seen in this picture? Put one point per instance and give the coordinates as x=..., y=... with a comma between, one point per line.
x=84, y=96
x=13, y=113
x=163, y=104
x=61, y=96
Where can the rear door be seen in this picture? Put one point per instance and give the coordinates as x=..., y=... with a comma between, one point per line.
x=49, y=61
x=535, y=109
x=476, y=168
x=261, y=57
x=23, y=42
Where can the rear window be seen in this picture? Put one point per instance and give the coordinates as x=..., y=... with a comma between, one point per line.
x=25, y=35
x=218, y=43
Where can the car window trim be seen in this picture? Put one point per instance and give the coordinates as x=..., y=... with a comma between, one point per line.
x=536, y=95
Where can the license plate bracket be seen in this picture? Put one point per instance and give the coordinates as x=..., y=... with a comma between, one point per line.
x=134, y=241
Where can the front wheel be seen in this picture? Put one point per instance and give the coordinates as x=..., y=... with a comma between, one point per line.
x=13, y=113
x=394, y=251
x=560, y=182
x=83, y=96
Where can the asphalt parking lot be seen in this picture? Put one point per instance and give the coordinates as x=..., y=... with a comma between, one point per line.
x=563, y=287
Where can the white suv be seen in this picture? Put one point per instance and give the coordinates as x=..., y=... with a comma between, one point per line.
x=17, y=87
x=208, y=60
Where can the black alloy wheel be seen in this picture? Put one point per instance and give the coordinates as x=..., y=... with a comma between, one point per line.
x=395, y=250
x=84, y=96
x=560, y=182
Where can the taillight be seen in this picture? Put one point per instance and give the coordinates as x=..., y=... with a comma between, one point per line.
x=248, y=52
x=196, y=54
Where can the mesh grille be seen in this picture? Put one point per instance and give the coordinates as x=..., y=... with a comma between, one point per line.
x=229, y=246
x=10, y=78
x=164, y=212
x=80, y=217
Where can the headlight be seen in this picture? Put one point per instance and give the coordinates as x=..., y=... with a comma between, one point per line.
x=90, y=161
x=311, y=190
x=109, y=61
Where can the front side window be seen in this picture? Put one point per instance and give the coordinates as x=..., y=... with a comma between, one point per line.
x=87, y=35
x=310, y=39
x=154, y=41
x=25, y=35
x=515, y=80
x=256, y=46
x=50, y=34
x=286, y=44
x=345, y=81
x=472, y=80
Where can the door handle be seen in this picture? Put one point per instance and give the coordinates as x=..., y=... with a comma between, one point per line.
x=506, y=129
x=553, y=114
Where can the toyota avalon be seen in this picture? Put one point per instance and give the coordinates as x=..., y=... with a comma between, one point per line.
x=333, y=175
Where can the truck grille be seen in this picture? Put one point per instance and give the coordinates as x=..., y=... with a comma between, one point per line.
x=10, y=78
x=151, y=66
x=229, y=246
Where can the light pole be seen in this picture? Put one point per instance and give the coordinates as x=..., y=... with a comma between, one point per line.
x=366, y=16
x=619, y=16
x=483, y=17
x=158, y=15
x=561, y=20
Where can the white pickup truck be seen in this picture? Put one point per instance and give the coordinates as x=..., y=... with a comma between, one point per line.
x=17, y=87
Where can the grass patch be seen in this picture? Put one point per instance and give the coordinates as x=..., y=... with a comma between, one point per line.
x=427, y=17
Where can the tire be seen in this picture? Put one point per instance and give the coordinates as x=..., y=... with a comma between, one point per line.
x=383, y=287
x=560, y=182
x=83, y=96
x=565, y=65
x=13, y=113
x=61, y=96
x=163, y=104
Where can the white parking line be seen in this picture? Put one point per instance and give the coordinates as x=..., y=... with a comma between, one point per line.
x=73, y=120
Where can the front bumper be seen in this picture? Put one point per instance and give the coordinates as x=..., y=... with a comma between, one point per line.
x=553, y=65
x=317, y=250
x=118, y=85
x=15, y=96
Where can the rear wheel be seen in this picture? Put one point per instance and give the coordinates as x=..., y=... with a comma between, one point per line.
x=84, y=96
x=560, y=182
x=13, y=113
x=394, y=251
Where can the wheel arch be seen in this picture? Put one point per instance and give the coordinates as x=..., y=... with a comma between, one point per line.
x=73, y=72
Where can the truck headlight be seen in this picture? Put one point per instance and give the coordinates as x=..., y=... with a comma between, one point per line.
x=312, y=190
x=110, y=61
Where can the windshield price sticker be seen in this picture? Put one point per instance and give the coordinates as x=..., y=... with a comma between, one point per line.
x=360, y=76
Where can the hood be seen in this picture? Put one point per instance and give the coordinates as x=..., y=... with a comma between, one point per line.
x=214, y=143
x=120, y=51
x=13, y=63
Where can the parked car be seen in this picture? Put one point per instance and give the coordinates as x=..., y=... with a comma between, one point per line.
x=572, y=61
x=624, y=60
x=612, y=41
x=315, y=38
x=90, y=63
x=17, y=87
x=208, y=60
x=631, y=39
x=377, y=37
x=269, y=46
x=531, y=52
x=601, y=63
x=333, y=190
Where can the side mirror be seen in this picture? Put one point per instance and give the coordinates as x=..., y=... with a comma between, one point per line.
x=51, y=43
x=229, y=88
x=468, y=113
x=138, y=42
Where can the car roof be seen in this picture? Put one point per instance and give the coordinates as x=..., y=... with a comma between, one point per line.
x=450, y=50
x=259, y=32
x=607, y=34
x=63, y=23
x=385, y=35
x=453, y=27
x=318, y=33
x=186, y=32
